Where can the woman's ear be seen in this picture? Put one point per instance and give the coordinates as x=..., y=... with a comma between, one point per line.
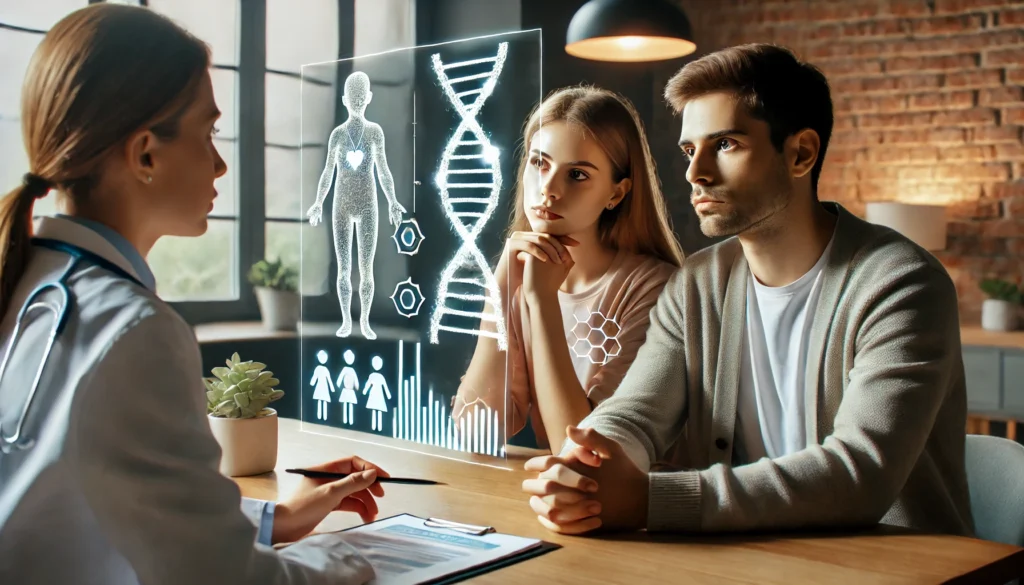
x=139, y=151
x=622, y=189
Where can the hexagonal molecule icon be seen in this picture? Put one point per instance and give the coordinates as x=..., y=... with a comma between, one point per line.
x=596, y=338
x=408, y=237
x=407, y=298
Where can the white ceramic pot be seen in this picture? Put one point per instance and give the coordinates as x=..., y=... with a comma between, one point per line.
x=279, y=309
x=998, y=315
x=248, y=445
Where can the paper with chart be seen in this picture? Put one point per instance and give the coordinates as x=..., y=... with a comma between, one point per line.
x=403, y=551
x=413, y=158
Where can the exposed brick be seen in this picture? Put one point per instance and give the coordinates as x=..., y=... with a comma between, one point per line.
x=999, y=96
x=901, y=156
x=850, y=68
x=996, y=135
x=972, y=153
x=1015, y=247
x=929, y=136
x=1003, y=228
x=973, y=172
x=1015, y=76
x=1014, y=207
x=896, y=120
x=974, y=79
x=847, y=10
x=934, y=63
x=947, y=25
x=954, y=6
x=909, y=8
x=1010, y=151
x=961, y=228
x=1010, y=18
x=844, y=123
x=1013, y=115
x=975, y=117
x=939, y=46
x=840, y=157
x=1004, y=57
x=844, y=86
x=863, y=29
x=856, y=139
x=901, y=83
x=941, y=101
x=868, y=104
x=921, y=174
x=977, y=209
x=1008, y=190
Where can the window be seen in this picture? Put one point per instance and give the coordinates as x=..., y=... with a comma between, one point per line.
x=207, y=268
x=22, y=26
x=300, y=116
x=271, y=179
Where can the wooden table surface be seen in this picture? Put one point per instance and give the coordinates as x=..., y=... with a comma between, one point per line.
x=490, y=495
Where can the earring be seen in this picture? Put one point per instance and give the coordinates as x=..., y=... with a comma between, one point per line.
x=611, y=206
x=149, y=178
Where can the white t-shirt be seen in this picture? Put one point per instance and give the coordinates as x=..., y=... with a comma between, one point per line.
x=770, y=409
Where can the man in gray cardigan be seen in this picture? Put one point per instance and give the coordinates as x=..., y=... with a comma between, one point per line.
x=806, y=372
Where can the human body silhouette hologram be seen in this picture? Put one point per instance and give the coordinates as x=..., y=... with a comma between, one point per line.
x=355, y=149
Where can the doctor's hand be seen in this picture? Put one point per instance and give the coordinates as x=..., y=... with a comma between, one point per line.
x=315, y=214
x=395, y=212
x=316, y=498
x=593, y=486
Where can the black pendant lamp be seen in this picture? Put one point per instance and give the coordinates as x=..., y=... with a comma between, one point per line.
x=629, y=31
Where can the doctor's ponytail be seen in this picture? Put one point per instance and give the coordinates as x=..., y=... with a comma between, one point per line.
x=101, y=74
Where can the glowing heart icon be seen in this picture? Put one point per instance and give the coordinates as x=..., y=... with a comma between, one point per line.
x=354, y=158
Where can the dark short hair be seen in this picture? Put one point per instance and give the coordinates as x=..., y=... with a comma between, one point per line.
x=776, y=87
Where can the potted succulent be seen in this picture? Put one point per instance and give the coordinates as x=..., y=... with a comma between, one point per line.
x=236, y=405
x=276, y=286
x=999, y=311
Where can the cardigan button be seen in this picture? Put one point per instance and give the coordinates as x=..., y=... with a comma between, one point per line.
x=721, y=444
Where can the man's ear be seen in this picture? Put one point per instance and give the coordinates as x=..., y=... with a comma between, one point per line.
x=369, y=97
x=803, y=149
x=140, y=150
x=622, y=189
x=344, y=100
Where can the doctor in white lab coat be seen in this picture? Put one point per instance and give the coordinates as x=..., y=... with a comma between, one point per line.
x=111, y=475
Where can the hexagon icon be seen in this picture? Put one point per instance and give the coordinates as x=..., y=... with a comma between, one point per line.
x=581, y=348
x=595, y=338
x=407, y=298
x=408, y=237
x=581, y=330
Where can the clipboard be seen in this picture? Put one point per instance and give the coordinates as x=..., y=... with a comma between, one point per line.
x=438, y=554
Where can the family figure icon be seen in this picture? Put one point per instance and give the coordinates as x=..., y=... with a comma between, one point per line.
x=348, y=381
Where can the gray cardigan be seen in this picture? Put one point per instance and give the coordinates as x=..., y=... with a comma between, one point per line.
x=885, y=429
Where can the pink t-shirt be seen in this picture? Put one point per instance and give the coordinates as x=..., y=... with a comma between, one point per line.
x=604, y=327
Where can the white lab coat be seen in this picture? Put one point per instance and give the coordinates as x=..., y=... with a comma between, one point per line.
x=122, y=485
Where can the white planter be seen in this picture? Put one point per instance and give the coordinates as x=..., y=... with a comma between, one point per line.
x=248, y=445
x=998, y=315
x=279, y=309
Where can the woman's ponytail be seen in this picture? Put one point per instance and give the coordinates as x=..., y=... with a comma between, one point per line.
x=16, y=233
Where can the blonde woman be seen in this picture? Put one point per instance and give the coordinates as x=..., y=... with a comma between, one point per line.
x=589, y=247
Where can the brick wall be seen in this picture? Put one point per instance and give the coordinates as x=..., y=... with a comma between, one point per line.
x=929, y=109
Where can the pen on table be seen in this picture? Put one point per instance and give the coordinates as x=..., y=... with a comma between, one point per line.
x=331, y=475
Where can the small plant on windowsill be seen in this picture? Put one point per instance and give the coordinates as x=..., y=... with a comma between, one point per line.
x=276, y=285
x=236, y=404
x=999, y=311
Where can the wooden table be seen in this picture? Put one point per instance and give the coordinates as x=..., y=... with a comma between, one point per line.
x=480, y=494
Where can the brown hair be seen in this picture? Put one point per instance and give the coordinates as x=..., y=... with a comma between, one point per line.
x=776, y=87
x=99, y=75
x=640, y=222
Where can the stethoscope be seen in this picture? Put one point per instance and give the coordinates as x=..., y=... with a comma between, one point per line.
x=60, y=310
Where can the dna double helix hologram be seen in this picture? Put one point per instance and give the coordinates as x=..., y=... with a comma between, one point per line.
x=469, y=180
